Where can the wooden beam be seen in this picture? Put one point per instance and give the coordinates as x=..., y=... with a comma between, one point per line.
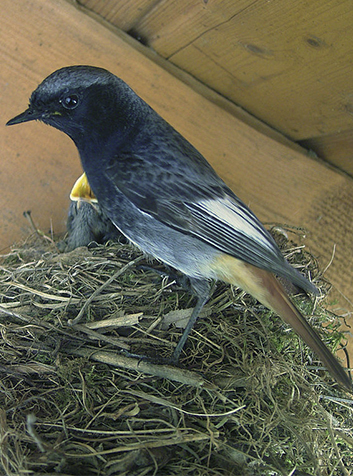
x=124, y=14
x=335, y=148
x=287, y=63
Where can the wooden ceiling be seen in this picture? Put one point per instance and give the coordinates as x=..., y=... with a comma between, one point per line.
x=290, y=64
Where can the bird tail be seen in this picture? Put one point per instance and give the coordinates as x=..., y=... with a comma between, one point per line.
x=267, y=289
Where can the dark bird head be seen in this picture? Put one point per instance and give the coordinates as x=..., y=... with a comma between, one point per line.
x=85, y=102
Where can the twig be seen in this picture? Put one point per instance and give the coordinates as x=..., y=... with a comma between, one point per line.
x=122, y=321
x=99, y=290
x=31, y=419
x=164, y=371
x=94, y=335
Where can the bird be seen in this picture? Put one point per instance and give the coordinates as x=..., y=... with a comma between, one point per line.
x=161, y=193
x=86, y=222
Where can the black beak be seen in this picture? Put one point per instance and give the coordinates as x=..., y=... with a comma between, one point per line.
x=28, y=115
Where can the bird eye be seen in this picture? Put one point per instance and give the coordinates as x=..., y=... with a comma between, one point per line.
x=70, y=102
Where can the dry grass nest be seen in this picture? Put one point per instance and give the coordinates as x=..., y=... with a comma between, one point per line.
x=248, y=398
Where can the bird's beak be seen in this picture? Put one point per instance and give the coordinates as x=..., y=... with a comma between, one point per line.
x=28, y=115
x=81, y=191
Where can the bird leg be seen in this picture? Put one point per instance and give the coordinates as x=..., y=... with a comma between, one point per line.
x=202, y=289
x=193, y=318
x=201, y=301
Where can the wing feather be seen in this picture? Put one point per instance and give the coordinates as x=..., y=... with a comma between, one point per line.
x=202, y=205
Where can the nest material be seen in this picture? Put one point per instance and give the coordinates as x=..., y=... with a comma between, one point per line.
x=249, y=398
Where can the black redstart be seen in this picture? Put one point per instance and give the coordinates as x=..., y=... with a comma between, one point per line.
x=163, y=195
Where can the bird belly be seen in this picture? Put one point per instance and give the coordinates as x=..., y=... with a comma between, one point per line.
x=184, y=252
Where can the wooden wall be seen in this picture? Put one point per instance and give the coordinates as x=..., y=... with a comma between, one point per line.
x=287, y=63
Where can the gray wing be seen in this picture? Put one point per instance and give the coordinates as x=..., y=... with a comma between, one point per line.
x=199, y=203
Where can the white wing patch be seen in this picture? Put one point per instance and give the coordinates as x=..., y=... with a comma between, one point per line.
x=237, y=218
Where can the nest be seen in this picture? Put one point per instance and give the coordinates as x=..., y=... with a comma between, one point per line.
x=248, y=398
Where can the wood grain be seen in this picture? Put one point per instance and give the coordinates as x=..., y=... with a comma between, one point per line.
x=123, y=14
x=287, y=63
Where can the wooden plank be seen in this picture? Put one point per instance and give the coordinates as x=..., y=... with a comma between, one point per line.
x=122, y=13
x=288, y=63
x=335, y=148
x=279, y=183
x=172, y=26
